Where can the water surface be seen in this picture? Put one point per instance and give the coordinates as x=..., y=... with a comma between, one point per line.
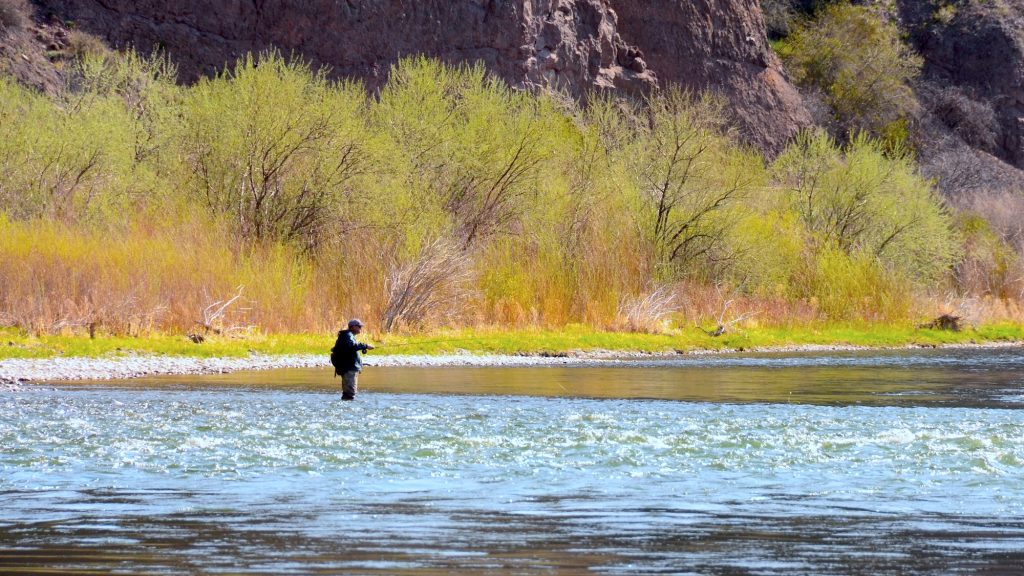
x=892, y=463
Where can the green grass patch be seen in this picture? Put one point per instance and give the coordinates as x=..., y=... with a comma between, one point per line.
x=16, y=344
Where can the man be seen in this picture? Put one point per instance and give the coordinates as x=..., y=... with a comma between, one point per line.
x=346, y=361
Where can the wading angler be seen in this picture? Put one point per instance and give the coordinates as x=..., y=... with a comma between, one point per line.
x=346, y=361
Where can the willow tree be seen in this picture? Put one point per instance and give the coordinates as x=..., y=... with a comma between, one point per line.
x=689, y=175
x=275, y=147
x=65, y=162
x=464, y=143
x=868, y=202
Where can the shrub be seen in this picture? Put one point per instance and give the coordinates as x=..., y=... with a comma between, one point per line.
x=69, y=162
x=863, y=201
x=470, y=145
x=14, y=14
x=770, y=246
x=82, y=45
x=972, y=120
x=432, y=284
x=273, y=146
x=989, y=266
x=958, y=170
x=856, y=287
x=859, y=63
x=688, y=174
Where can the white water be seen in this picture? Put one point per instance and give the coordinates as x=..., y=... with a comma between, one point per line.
x=269, y=479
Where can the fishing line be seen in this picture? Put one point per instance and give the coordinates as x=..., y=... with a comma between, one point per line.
x=446, y=340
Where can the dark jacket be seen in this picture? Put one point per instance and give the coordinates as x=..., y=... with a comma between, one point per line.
x=345, y=354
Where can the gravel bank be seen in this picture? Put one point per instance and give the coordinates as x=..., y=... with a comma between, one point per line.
x=15, y=371
x=64, y=369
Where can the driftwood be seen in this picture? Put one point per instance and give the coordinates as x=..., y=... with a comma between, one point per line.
x=212, y=316
x=724, y=325
x=944, y=322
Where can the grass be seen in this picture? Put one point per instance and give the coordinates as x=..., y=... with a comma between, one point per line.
x=18, y=344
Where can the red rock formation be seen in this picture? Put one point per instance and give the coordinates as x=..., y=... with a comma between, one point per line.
x=574, y=45
x=719, y=45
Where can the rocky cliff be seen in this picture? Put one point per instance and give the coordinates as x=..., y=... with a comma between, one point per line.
x=977, y=47
x=571, y=45
x=721, y=45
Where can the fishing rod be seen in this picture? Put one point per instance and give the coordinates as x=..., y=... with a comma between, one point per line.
x=438, y=341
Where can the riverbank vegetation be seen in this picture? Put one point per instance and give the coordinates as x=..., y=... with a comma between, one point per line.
x=271, y=200
x=574, y=340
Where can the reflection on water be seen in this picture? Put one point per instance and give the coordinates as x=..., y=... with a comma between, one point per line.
x=991, y=378
x=852, y=464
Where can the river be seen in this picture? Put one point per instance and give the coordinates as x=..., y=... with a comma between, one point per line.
x=852, y=463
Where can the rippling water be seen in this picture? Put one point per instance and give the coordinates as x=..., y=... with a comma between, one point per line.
x=850, y=464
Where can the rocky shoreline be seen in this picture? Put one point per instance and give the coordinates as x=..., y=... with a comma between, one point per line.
x=16, y=371
x=69, y=369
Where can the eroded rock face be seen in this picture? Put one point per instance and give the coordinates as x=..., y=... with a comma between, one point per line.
x=572, y=45
x=23, y=56
x=719, y=45
x=981, y=49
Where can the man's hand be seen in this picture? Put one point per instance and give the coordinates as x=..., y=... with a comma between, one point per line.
x=369, y=346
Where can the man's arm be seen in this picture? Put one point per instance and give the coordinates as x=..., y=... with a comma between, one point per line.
x=353, y=345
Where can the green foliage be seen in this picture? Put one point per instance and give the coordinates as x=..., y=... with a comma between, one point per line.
x=847, y=287
x=771, y=249
x=688, y=174
x=274, y=146
x=448, y=199
x=859, y=64
x=63, y=162
x=469, y=148
x=865, y=202
x=147, y=90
